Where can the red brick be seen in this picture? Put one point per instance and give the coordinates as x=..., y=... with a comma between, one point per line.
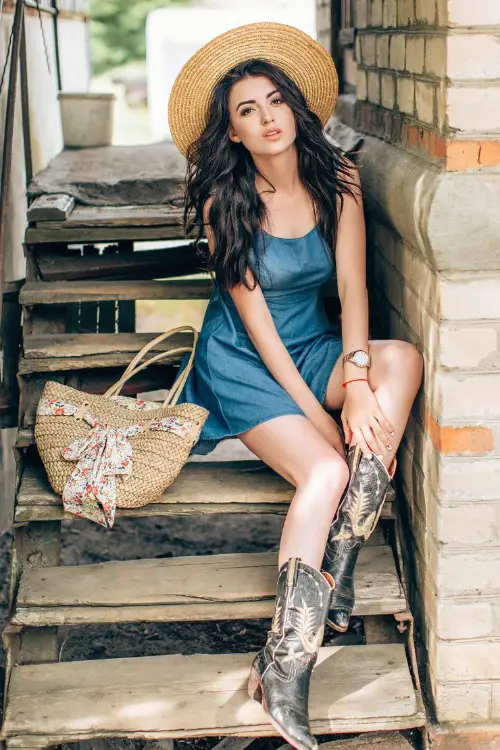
x=437, y=146
x=423, y=139
x=412, y=136
x=462, y=155
x=464, y=739
x=489, y=153
x=459, y=439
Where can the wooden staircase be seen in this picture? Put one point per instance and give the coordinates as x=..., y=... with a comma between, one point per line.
x=362, y=688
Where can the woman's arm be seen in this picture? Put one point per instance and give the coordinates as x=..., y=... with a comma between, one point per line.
x=361, y=415
x=259, y=324
x=350, y=256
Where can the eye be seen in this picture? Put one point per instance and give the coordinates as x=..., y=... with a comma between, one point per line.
x=247, y=109
x=278, y=100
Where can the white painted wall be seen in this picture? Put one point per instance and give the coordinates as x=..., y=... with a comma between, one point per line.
x=174, y=34
x=46, y=142
x=46, y=134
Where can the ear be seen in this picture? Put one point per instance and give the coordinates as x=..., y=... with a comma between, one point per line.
x=233, y=137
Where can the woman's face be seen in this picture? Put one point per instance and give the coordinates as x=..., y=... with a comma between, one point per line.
x=256, y=112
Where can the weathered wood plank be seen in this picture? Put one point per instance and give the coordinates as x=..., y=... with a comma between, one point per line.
x=187, y=588
x=119, y=216
x=202, y=695
x=143, y=264
x=40, y=234
x=97, y=223
x=199, y=482
x=35, y=545
x=201, y=487
x=79, y=345
x=55, y=208
x=60, y=292
x=23, y=514
x=83, y=351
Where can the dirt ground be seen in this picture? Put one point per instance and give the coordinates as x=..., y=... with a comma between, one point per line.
x=134, y=538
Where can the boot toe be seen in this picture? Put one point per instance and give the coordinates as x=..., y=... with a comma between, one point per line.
x=338, y=619
x=294, y=727
x=300, y=738
x=303, y=740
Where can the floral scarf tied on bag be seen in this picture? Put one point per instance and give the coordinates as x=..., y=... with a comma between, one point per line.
x=107, y=474
x=90, y=491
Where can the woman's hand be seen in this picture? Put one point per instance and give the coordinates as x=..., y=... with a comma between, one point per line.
x=329, y=429
x=364, y=421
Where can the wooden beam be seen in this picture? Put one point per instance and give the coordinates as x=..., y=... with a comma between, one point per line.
x=50, y=292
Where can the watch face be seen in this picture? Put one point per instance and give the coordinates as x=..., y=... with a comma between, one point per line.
x=361, y=359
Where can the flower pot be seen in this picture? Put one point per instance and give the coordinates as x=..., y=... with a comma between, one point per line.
x=87, y=119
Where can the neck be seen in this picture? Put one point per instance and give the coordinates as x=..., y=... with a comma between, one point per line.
x=281, y=170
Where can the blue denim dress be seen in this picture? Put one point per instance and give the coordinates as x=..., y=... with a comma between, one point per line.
x=229, y=377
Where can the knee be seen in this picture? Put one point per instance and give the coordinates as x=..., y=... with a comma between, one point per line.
x=404, y=357
x=328, y=474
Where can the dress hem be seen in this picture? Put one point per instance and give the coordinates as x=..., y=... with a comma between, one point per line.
x=260, y=421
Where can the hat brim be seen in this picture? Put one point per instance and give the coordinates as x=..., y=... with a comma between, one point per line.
x=303, y=59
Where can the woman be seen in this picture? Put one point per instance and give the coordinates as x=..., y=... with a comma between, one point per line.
x=281, y=208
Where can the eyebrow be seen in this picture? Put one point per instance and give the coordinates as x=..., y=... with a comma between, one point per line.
x=252, y=101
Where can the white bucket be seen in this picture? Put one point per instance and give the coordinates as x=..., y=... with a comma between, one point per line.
x=87, y=119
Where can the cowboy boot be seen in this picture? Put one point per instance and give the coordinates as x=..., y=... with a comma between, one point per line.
x=356, y=518
x=281, y=671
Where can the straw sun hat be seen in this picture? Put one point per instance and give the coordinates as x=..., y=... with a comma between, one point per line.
x=305, y=61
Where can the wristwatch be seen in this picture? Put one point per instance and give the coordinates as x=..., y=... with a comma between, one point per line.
x=359, y=358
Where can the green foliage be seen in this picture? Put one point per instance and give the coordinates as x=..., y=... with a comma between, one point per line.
x=118, y=30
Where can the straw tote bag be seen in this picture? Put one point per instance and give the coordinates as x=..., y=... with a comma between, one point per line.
x=103, y=452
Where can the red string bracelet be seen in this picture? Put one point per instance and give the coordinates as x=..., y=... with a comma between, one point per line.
x=353, y=381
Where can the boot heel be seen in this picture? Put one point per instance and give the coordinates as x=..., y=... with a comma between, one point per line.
x=254, y=686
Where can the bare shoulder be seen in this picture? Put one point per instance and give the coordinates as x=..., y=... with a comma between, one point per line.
x=206, y=208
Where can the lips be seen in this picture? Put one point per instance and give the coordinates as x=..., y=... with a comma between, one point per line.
x=271, y=133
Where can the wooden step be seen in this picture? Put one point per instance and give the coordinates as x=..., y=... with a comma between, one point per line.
x=213, y=587
x=77, y=351
x=110, y=223
x=202, y=488
x=62, y=292
x=353, y=689
x=141, y=264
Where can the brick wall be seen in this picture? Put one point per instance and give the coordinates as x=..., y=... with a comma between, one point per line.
x=428, y=100
x=428, y=77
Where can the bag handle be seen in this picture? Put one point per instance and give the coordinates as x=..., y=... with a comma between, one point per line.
x=134, y=367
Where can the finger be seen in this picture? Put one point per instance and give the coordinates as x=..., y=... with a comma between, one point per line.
x=370, y=438
x=359, y=440
x=347, y=431
x=385, y=423
x=382, y=436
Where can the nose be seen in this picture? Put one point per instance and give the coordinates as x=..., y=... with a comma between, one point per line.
x=266, y=116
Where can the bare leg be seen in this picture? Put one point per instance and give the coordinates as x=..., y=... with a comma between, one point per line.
x=293, y=447
x=394, y=377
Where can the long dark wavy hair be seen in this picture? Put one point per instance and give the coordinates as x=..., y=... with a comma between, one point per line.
x=217, y=166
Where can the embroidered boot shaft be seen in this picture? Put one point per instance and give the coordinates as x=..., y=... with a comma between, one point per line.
x=281, y=671
x=356, y=518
